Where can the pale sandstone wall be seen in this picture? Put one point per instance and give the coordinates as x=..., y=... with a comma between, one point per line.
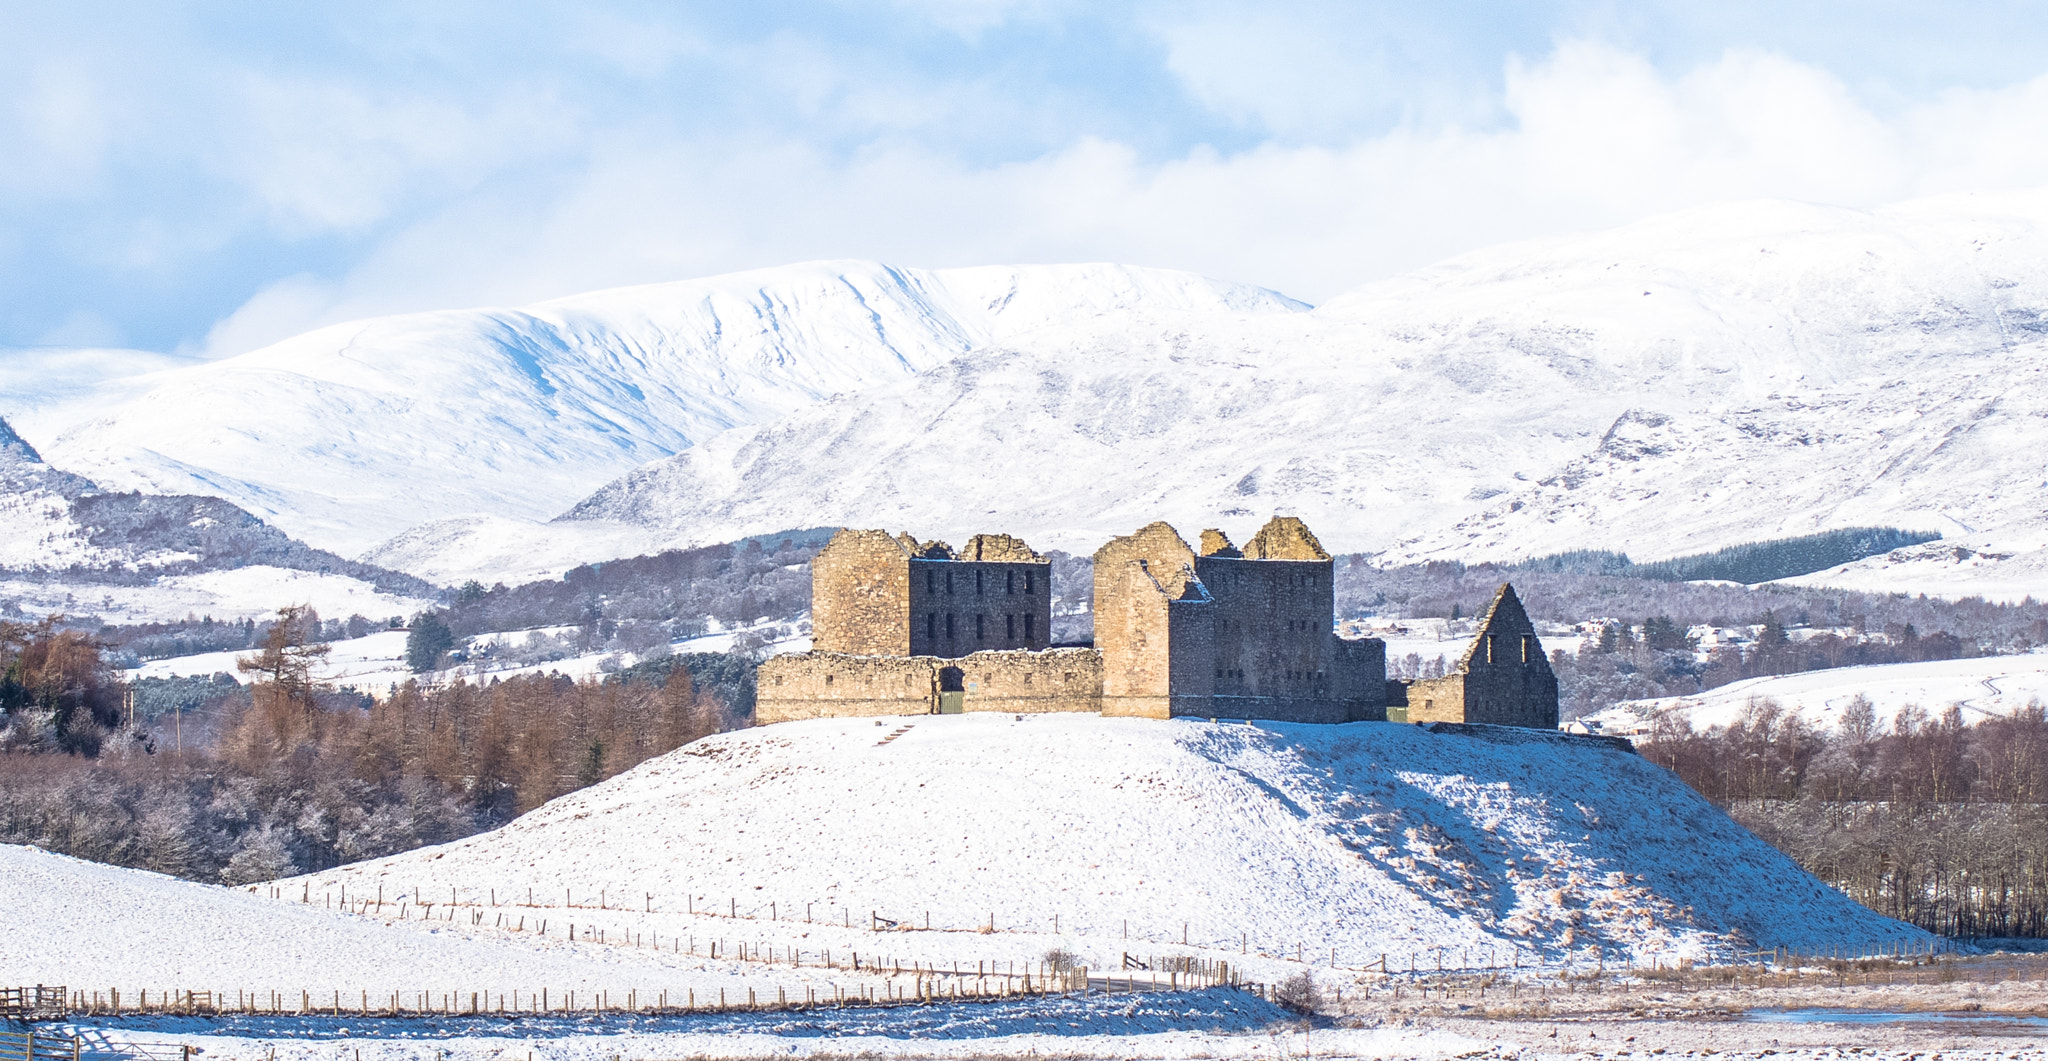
x=1137, y=579
x=860, y=595
x=837, y=685
x=1134, y=634
x=1061, y=679
x=1437, y=699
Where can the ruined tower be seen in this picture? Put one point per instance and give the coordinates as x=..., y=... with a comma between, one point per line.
x=1231, y=633
x=1502, y=679
x=873, y=594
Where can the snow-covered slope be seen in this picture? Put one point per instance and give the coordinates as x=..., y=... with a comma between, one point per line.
x=1987, y=687
x=1129, y=834
x=68, y=547
x=36, y=524
x=1722, y=375
x=350, y=434
x=82, y=923
x=2008, y=563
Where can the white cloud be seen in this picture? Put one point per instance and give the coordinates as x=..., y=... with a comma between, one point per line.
x=326, y=155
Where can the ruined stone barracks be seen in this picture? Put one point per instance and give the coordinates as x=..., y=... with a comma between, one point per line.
x=902, y=627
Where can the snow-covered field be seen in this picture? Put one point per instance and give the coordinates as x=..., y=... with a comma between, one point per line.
x=1256, y=843
x=255, y=592
x=1986, y=687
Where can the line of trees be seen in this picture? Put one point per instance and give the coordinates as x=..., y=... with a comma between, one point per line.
x=291, y=777
x=1924, y=819
x=1656, y=658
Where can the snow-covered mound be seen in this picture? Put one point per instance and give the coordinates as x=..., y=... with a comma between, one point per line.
x=1987, y=687
x=350, y=434
x=1723, y=375
x=1129, y=835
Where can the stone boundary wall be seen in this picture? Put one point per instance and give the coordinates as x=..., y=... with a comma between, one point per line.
x=1059, y=679
x=839, y=685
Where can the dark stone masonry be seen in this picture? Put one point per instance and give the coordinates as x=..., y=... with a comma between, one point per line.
x=903, y=627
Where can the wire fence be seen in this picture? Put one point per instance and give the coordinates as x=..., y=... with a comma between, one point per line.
x=911, y=984
x=527, y=910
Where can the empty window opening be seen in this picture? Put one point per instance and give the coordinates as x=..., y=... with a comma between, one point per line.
x=1010, y=581
x=931, y=626
x=977, y=582
x=981, y=628
x=949, y=583
x=1010, y=627
x=949, y=626
x=1029, y=576
x=1529, y=650
x=930, y=586
x=828, y=679
x=1029, y=633
x=1493, y=648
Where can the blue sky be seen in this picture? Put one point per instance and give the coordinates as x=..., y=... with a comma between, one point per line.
x=211, y=178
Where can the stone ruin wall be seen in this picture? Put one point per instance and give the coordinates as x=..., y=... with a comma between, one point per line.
x=1024, y=683
x=1139, y=582
x=1432, y=699
x=1510, y=695
x=961, y=606
x=839, y=685
x=860, y=595
x=1273, y=627
x=1503, y=679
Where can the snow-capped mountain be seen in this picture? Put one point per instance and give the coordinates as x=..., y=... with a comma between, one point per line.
x=1690, y=382
x=1693, y=381
x=36, y=528
x=353, y=433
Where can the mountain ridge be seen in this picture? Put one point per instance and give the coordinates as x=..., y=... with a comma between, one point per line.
x=1688, y=383
x=352, y=433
